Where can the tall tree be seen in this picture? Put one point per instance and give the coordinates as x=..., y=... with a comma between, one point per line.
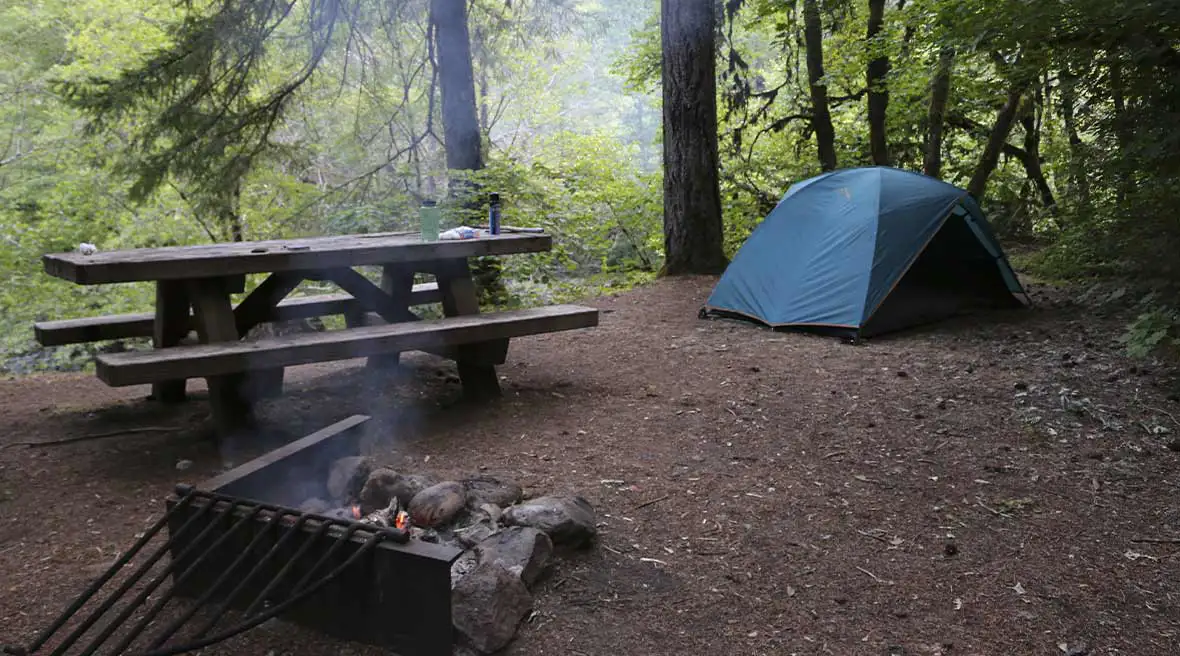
x=878, y=91
x=1031, y=123
x=1122, y=128
x=1005, y=117
x=462, y=137
x=940, y=91
x=692, y=195
x=821, y=115
x=456, y=76
x=1077, y=163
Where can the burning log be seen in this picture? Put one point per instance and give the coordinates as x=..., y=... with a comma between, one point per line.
x=392, y=518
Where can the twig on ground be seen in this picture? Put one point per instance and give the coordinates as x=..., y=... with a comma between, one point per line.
x=834, y=454
x=1157, y=540
x=993, y=511
x=648, y=503
x=875, y=577
x=612, y=549
x=870, y=535
x=652, y=560
x=1164, y=412
x=95, y=436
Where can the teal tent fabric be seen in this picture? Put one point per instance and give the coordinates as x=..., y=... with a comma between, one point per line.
x=867, y=250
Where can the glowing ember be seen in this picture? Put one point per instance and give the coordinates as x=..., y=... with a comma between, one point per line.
x=402, y=521
x=356, y=512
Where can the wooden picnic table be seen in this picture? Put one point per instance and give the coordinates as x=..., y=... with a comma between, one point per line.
x=205, y=277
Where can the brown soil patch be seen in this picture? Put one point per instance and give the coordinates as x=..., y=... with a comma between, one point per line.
x=978, y=487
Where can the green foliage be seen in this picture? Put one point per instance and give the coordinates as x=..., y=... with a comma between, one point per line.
x=133, y=123
x=589, y=193
x=182, y=126
x=1157, y=328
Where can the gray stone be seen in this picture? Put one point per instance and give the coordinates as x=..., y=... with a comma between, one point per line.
x=474, y=525
x=567, y=520
x=473, y=534
x=406, y=486
x=463, y=566
x=523, y=550
x=379, y=490
x=347, y=476
x=492, y=510
x=488, y=489
x=437, y=504
x=487, y=605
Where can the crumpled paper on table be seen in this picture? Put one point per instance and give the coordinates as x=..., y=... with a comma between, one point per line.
x=462, y=232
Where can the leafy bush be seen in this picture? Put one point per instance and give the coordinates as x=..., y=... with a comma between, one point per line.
x=1158, y=328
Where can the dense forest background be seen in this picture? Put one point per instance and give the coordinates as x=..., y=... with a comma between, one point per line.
x=1059, y=115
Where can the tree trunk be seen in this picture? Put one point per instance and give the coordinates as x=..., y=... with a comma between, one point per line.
x=457, y=81
x=692, y=194
x=461, y=127
x=940, y=91
x=995, y=143
x=821, y=116
x=485, y=115
x=878, y=94
x=1077, y=158
x=907, y=37
x=1032, y=159
x=1121, y=128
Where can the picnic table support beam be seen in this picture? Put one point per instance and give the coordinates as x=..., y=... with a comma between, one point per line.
x=476, y=362
x=397, y=282
x=370, y=296
x=171, y=326
x=258, y=308
x=216, y=323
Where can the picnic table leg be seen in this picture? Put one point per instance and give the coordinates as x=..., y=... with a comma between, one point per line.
x=397, y=280
x=171, y=326
x=257, y=308
x=215, y=323
x=476, y=362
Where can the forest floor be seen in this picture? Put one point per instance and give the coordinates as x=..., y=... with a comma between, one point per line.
x=995, y=485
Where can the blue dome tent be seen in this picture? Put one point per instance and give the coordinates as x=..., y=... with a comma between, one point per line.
x=864, y=251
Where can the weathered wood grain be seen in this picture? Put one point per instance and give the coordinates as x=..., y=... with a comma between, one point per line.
x=219, y=260
x=169, y=325
x=125, y=326
x=214, y=316
x=460, y=297
x=204, y=360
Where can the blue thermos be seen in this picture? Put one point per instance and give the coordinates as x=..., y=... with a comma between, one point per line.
x=494, y=213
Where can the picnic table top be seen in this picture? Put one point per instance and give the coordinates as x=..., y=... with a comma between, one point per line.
x=312, y=253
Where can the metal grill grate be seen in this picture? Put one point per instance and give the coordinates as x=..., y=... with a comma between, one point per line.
x=230, y=558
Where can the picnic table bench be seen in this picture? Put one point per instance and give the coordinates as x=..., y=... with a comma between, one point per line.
x=195, y=285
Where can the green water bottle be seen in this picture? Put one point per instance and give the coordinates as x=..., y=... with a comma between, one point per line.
x=430, y=217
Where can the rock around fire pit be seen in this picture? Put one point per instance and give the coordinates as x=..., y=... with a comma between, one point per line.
x=507, y=541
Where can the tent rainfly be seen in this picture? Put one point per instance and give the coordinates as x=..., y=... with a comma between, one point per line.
x=864, y=251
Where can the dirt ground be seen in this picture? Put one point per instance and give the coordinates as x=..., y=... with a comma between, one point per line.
x=995, y=485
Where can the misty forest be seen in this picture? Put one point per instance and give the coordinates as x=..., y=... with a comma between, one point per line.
x=135, y=124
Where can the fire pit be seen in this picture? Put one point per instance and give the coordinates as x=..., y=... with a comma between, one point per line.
x=310, y=535
x=397, y=578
